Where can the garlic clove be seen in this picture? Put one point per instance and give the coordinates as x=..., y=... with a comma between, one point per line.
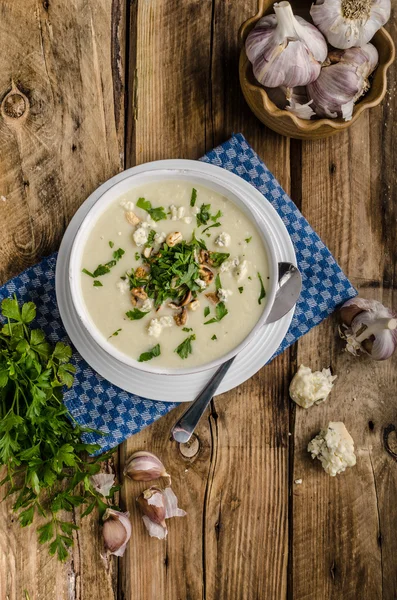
x=368, y=327
x=285, y=50
x=145, y=466
x=116, y=531
x=158, y=505
x=347, y=23
x=152, y=504
x=102, y=483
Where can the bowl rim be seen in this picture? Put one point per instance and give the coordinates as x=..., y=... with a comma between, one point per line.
x=232, y=186
x=304, y=125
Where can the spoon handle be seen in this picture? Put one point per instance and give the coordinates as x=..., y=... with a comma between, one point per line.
x=184, y=427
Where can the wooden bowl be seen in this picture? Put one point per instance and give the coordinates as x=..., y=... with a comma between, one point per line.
x=289, y=124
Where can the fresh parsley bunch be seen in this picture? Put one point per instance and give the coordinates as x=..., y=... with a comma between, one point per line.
x=41, y=449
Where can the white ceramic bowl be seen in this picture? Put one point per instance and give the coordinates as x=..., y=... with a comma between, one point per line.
x=218, y=179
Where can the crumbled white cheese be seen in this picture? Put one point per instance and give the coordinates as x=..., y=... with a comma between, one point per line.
x=159, y=238
x=177, y=212
x=228, y=265
x=298, y=481
x=123, y=286
x=156, y=326
x=309, y=388
x=147, y=305
x=140, y=235
x=241, y=271
x=128, y=205
x=187, y=220
x=223, y=240
x=223, y=295
x=334, y=447
x=150, y=222
x=200, y=283
x=195, y=210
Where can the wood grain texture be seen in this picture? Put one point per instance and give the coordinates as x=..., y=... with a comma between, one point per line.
x=67, y=62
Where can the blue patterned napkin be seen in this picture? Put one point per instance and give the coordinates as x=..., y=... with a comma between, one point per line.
x=96, y=403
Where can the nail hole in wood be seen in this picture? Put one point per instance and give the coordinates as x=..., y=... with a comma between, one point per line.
x=371, y=425
x=191, y=448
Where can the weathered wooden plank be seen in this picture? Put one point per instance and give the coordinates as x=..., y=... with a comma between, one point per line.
x=67, y=61
x=246, y=543
x=168, y=90
x=341, y=545
x=70, y=135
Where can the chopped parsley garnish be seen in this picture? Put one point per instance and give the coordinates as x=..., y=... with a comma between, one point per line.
x=262, y=295
x=136, y=314
x=218, y=284
x=115, y=333
x=150, y=238
x=137, y=256
x=187, y=329
x=250, y=278
x=214, y=337
x=185, y=348
x=145, y=356
x=204, y=215
x=103, y=269
x=157, y=214
x=248, y=239
x=193, y=197
x=221, y=311
x=117, y=254
x=209, y=227
x=97, y=283
x=198, y=243
x=217, y=258
x=111, y=244
x=206, y=311
x=241, y=289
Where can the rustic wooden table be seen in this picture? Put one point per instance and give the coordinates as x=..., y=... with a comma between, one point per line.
x=114, y=83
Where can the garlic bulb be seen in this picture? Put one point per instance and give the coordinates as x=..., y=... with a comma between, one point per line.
x=347, y=23
x=116, y=531
x=285, y=50
x=342, y=81
x=368, y=327
x=145, y=466
x=158, y=505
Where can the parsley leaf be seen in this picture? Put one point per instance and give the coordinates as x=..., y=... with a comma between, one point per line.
x=248, y=239
x=97, y=283
x=206, y=311
x=145, y=356
x=185, y=348
x=262, y=294
x=187, y=329
x=204, y=215
x=137, y=256
x=150, y=238
x=217, y=258
x=115, y=333
x=136, y=314
x=157, y=214
x=214, y=337
x=221, y=312
x=241, y=289
x=103, y=269
x=209, y=227
x=218, y=284
x=193, y=197
x=111, y=244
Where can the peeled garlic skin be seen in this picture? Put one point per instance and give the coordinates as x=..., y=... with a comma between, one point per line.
x=343, y=32
x=285, y=50
x=151, y=503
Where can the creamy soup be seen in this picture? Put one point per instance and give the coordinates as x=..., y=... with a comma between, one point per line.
x=174, y=274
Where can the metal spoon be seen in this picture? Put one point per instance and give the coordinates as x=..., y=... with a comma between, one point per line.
x=289, y=287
